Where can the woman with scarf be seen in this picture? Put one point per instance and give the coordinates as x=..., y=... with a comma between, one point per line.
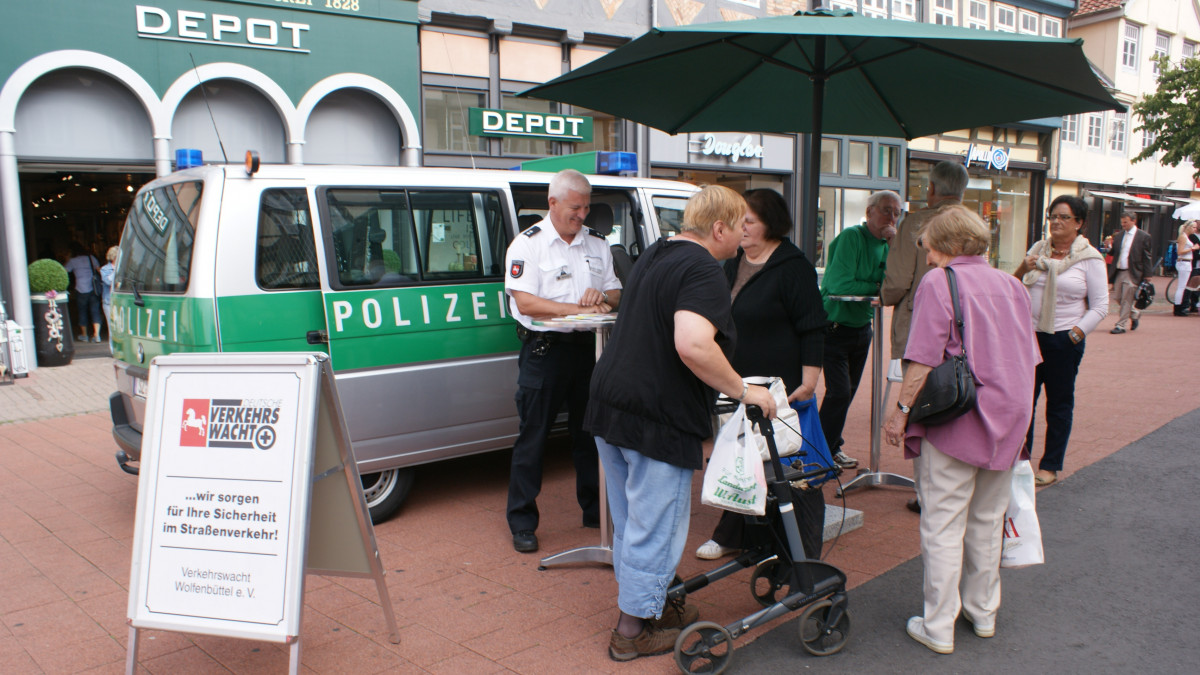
x=1068, y=289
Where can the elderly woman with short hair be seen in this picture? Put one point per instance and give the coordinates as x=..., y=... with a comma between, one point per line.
x=964, y=466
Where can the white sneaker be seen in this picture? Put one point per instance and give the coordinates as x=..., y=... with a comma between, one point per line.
x=916, y=631
x=845, y=461
x=711, y=550
x=981, y=630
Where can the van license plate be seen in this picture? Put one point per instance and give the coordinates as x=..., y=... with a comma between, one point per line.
x=140, y=387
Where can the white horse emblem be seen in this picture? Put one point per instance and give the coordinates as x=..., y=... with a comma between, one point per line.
x=200, y=424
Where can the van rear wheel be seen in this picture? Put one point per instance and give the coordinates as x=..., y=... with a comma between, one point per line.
x=386, y=491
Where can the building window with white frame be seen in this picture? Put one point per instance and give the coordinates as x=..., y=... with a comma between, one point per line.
x=904, y=10
x=1162, y=47
x=1070, y=129
x=1095, y=130
x=1189, y=49
x=1148, y=137
x=1029, y=23
x=1051, y=27
x=1129, y=48
x=1006, y=18
x=977, y=14
x=851, y=5
x=945, y=12
x=1116, y=135
x=876, y=9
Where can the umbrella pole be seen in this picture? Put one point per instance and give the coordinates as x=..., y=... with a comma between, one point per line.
x=812, y=175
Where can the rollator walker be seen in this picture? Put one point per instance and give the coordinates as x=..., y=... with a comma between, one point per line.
x=776, y=552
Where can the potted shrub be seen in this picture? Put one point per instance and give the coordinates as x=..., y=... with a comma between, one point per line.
x=51, y=314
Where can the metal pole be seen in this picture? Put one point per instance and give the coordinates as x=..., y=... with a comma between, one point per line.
x=812, y=176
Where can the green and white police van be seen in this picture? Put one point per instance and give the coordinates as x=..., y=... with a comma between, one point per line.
x=397, y=273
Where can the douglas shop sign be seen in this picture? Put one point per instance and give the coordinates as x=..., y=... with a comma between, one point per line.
x=487, y=122
x=708, y=145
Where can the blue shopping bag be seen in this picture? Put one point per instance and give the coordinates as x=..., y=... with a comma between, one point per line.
x=814, y=452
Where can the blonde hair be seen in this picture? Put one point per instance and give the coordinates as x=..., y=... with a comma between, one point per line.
x=956, y=230
x=111, y=255
x=1185, y=226
x=710, y=204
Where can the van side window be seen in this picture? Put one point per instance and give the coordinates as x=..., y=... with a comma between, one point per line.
x=670, y=215
x=382, y=238
x=156, y=244
x=286, y=256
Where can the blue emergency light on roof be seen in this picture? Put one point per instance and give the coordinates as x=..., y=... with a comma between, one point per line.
x=186, y=158
x=616, y=163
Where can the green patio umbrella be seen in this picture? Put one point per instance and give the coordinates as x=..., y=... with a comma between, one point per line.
x=833, y=72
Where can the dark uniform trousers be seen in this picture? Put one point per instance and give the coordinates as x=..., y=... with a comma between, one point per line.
x=555, y=368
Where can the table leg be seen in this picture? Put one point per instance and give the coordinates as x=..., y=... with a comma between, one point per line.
x=873, y=476
x=591, y=554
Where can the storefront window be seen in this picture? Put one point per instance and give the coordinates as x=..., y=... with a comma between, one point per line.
x=889, y=161
x=831, y=159
x=838, y=209
x=608, y=132
x=446, y=120
x=1001, y=198
x=537, y=147
x=860, y=158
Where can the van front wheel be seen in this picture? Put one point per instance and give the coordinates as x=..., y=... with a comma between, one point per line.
x=386, y=491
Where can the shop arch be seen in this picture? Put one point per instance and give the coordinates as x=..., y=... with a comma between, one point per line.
x=323, y=104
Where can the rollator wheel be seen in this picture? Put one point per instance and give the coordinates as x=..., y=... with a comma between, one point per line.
x=704, y=647
x=768, y=579
x=818, y=637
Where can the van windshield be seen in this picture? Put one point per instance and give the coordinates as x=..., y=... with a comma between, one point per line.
x=156, y=245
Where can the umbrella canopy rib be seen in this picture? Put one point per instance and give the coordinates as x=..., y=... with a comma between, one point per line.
x=717, y=93
x=844, y=64
x=1024, y=78
x=770, y=58
x=887, y=104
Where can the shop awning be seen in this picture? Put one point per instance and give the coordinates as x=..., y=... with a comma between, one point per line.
x=1131, y=199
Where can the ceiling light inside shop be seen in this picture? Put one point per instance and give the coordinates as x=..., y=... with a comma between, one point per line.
x=129, y=188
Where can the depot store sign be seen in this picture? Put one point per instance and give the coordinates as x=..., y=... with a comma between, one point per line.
x=488, y=122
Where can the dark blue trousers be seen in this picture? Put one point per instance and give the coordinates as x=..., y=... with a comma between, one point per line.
x=546, y=381
x=845, y=357
x=1056, y=373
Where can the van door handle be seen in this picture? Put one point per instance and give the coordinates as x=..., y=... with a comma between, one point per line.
x=317, y=337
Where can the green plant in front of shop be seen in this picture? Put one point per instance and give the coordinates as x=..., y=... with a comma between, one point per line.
x=46, y=275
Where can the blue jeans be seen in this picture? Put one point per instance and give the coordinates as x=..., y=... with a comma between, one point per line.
x=650, y=503
x=1056, y=373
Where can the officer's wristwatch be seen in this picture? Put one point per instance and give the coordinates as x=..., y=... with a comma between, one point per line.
x=903, y=408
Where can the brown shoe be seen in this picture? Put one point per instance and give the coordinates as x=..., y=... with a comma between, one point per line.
x=649, y=642
x=675, y=614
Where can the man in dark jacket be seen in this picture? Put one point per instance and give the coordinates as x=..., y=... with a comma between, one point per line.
x=1131, y=263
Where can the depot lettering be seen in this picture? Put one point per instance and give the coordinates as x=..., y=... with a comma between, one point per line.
x=220, y=29
x=426, y=309
x=488, y=122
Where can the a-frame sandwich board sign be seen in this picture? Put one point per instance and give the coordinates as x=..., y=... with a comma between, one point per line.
x=247, y=481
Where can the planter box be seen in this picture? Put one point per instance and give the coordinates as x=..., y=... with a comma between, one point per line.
x=52, y=330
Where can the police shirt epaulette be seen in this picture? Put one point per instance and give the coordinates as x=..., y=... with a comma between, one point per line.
x=532, y=231
x=596, y=234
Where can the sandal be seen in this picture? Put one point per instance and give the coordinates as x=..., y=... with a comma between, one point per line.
x=1044, y=478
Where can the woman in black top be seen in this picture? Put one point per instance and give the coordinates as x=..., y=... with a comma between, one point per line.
x=781, y=331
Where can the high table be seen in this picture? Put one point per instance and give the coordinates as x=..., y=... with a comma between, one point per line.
x=600, y=325
x=872, y=476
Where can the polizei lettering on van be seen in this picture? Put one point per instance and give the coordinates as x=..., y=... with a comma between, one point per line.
x=366, y=312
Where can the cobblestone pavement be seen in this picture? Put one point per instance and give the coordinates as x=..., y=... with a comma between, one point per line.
x=464, y=600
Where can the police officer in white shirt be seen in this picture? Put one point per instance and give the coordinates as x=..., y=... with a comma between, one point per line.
x=556, y=268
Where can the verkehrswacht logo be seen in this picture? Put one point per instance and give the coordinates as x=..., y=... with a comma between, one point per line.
x=227, y=423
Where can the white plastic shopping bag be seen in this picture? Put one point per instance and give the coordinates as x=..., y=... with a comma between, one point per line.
x=734, y=479
x=1022, y=533
x=785, y=426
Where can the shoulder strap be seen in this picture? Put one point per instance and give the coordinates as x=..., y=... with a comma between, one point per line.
x=958, y=320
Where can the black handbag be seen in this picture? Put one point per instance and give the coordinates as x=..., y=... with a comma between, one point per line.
x=949, y=389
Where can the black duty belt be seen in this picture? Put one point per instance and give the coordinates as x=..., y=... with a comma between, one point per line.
x=553, y=337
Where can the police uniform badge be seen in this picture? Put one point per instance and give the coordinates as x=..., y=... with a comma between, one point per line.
x=517, y=269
